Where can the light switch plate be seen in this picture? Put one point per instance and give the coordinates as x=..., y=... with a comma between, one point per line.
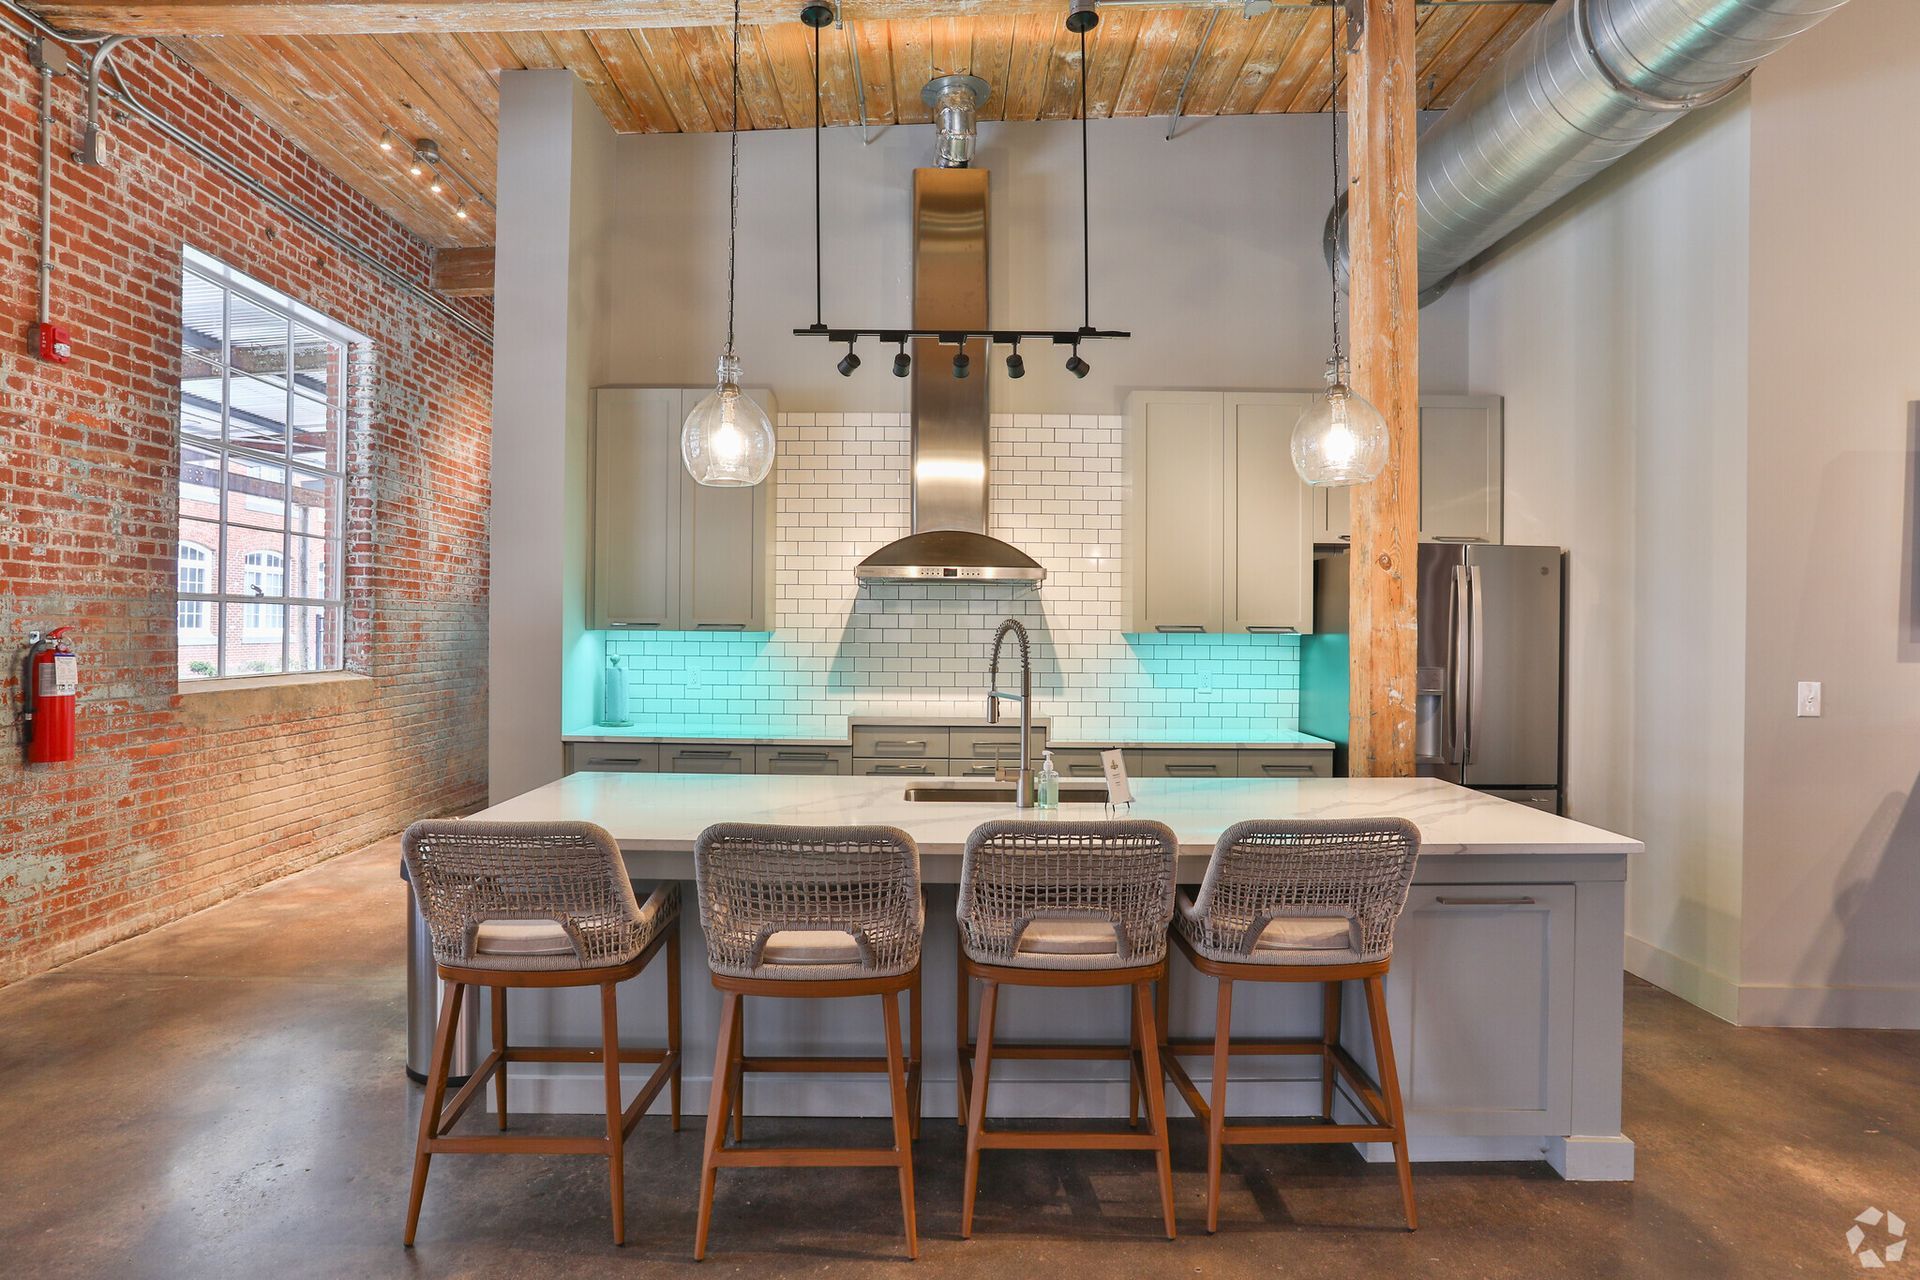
x=1808, y=702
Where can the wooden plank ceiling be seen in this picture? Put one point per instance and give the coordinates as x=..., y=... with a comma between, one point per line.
x=338, y=94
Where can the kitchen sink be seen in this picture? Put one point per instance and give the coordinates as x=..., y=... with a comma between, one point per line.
x=1000, y=793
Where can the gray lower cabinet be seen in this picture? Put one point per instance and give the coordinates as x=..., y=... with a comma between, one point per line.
x=706, y=757
x=814, y=761
x=1289, y=763
x=1080, y=762
x=1177, y=762
x=900, y=768
x=900, y=742
x=1482, y=998
x=670, y=554
x=1462, y=475
x=613, y=757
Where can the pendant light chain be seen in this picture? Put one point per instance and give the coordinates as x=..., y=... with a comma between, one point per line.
x=1086, y=201
x=733, y=160
x=1333, y=113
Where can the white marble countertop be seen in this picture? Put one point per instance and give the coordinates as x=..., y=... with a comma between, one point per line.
x=663, y=813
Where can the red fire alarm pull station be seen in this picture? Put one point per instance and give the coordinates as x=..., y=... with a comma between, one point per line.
x=51, y=342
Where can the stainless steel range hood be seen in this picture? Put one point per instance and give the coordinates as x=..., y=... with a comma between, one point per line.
x=950, y=542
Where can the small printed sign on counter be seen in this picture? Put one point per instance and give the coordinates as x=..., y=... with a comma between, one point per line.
x=1119, y=790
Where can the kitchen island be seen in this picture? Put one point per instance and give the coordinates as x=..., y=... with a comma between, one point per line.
x=1505, y=993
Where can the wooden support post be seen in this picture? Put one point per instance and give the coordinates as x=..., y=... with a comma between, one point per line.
x=1382, y=228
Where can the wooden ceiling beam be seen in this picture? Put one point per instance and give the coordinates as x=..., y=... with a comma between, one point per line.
x=464, y=273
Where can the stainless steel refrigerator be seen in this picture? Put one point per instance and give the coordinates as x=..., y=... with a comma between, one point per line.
x=1491, y=669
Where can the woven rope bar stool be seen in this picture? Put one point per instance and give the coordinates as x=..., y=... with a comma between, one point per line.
x=1065, y=904
x=811, y=913
x=538, y=904
x=1300, y=901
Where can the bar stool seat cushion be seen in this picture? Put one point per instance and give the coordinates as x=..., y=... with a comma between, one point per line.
x=1069, y=938
x=810, y=946
x=522, y=938
x=1306, y=933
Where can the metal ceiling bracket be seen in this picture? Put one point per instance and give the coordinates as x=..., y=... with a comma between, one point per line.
x=1173, y=121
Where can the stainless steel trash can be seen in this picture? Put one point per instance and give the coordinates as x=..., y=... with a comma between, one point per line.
x=424, y=992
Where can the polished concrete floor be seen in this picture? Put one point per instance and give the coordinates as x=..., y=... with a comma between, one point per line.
x=225, y=1098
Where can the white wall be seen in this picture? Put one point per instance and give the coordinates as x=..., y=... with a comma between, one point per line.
x=1616, y=328
x=1832, y=820
x=1206, y=247
x=549, y=276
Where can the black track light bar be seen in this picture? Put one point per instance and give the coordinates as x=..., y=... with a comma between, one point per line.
x=954, y=337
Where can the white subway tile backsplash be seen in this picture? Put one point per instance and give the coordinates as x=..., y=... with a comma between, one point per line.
x=836, y=650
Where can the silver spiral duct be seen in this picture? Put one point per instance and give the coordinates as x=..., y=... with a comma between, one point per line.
x=1586, y=84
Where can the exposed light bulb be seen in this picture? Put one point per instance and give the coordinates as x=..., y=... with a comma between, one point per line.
x=434, y=186
x=1340, y=439
x=386, y=144
x=415, y=169
x=461, y=212
x=727, y=440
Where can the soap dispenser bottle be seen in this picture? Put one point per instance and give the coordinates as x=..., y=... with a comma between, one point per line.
x=1047, y=785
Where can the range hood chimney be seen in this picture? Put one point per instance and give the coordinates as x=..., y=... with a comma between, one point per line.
x=949, y=542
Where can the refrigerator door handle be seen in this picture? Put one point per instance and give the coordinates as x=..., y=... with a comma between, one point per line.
x=1457, y=700
x=1476, y=679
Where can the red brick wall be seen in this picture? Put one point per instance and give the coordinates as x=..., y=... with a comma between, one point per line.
x=176, y=802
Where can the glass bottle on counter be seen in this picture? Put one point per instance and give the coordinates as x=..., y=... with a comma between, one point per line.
x=1047, y=785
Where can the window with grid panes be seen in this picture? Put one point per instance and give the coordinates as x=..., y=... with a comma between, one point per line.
x=263, y=479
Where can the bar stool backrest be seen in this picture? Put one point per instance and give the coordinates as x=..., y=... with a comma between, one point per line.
x=757, y=880
x=1271, y=869
x=1018, y=873
x=467, y=874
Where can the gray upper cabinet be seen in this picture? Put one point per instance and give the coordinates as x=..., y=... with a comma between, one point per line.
x=1175, y=460
x=636, y=507
x=1268, y=574
x=670, y=554
x=1462, y=475
x=1219, y=528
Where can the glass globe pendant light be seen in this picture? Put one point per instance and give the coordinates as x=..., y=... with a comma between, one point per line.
x=727, y=440
x=1340, y=439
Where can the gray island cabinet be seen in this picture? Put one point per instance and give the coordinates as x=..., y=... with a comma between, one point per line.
x=1505, y=992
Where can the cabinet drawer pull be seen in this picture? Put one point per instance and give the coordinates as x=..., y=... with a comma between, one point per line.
x=1346, y=537
x=1180, y=628
x=1288, y=770
x=1485, y=902
x=801, y=755
x=902, y=768
x=900, y=744
x=706, y=755
x=719, y=626
x=634, y=626
x=1262, y=630
x=1212, y=769
x=617, y=760
x=1086, y=771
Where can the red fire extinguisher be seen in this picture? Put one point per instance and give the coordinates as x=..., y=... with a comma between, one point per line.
x=53, y=683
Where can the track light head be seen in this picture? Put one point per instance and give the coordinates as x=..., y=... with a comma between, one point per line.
x=461, y=211
x=961, y=363
x=386, y=141
x=902, y=363
x=1016, y=363
x=1083, y=16
x=435, y=186
x=848, y=363
x=1075, y=365
x=416, y=168
x=819, y=13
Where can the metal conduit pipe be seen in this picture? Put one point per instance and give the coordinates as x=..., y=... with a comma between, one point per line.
x=234, y=171
x=1587, y=83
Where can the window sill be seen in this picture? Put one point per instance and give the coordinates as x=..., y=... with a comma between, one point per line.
x=215, y=700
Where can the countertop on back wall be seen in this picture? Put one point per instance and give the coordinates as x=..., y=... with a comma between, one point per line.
x=1066, y=733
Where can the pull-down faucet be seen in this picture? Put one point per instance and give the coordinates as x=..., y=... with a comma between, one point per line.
x=1023, y=782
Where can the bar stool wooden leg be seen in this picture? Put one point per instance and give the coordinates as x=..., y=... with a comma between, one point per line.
x=1329, y=1040
x=430, y=1105
x=1134, y=1057
x=719, y=1105
x=739, y=1071
x=977, y=1105
x=1390, y=1089
x=1154, y=1085
x=500, y=1047
x=902, y=1126
x=1217, y=1115
x=913, y=1054
x=616, y=1128
x=672, y=948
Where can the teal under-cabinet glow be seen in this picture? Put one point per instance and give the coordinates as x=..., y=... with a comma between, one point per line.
x=1173, y=687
